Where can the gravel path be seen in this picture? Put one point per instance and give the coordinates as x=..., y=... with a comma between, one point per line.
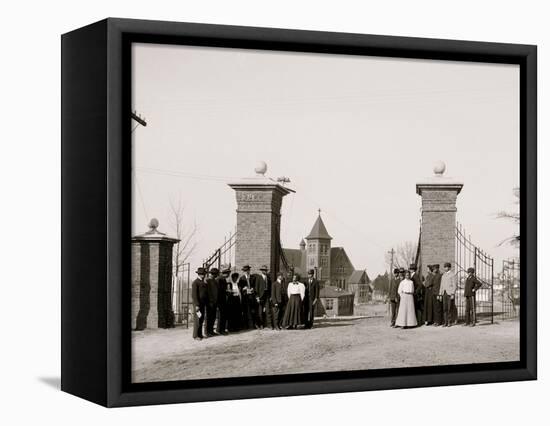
x=333, y=345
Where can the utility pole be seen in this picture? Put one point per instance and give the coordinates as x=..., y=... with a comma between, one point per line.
x=392, y=253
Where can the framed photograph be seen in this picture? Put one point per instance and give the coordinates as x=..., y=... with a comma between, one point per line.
x=255, y=212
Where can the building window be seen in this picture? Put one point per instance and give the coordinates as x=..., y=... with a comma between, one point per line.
x=324, y=261
x=311, y=261
x=311, y=247
x=329, y=304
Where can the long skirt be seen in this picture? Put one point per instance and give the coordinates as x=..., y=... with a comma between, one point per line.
x=293, y=312
x=406, y=317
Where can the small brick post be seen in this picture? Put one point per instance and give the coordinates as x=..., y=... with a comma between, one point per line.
x=259, y=201
x=152, y=279
x=438, y=237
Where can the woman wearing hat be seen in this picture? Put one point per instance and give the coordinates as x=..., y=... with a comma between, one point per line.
x=293, y=313
x=406, y=316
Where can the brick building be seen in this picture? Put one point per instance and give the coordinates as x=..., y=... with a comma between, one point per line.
x=332, y=264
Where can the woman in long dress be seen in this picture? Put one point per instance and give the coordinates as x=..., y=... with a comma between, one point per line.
x=406, y=317
x=293, y=313
x=235, y=317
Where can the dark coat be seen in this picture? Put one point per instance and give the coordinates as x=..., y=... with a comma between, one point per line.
x=471, y=286
x=437, y=282
x=394, y=286
x=418, y=287
x=263, y=287
x=429, y=281
x=212, y=285
x=199, y=292
x=242, y=283
x=222, y=290
x=277, y=293
x=312, y=291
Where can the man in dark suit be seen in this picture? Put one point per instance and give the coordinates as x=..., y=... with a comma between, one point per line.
x=393, y=296
x=263, y=297
x=428, y=297
x=311, y=298
x=278, y=300
x=222, y=301
x=470, y=287
x=418, y=293
x=247, y=285
x=211, y=309
x=199, y=296
x=436, y=298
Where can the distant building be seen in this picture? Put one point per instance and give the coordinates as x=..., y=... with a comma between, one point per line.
x=359, y=284
x=332, y=264
x=335, y=302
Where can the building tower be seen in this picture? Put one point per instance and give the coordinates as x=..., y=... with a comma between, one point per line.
x=318, y=250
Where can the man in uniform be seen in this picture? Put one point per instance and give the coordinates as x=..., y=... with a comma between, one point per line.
x=393, y=296
x=447, y=292
x=263, y=298
x=418, y=293
x=428, y=297
x=248, y=297
x=470, y=287
x=437, y=299
x=211, y=309
x=199, y=296
x=278, y=301
x=311, y=298
x=223, y=283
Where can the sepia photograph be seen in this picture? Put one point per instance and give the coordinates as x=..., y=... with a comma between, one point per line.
x=298, y=212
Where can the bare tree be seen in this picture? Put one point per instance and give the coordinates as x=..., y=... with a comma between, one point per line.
x=514, y=217
x=404, y=255
x=185, y=234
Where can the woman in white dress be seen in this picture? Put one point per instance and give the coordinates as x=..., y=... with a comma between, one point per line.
x=406, y=317
x=293, y=313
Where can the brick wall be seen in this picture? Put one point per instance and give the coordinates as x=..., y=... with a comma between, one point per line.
x=438, y=227
x=151, y=284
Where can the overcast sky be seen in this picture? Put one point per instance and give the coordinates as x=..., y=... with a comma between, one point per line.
x=354, y=135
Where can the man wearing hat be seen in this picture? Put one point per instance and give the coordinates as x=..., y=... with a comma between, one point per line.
x=199, y=296
x=263, y=298
x=428, y=297
x=418, y=293
x=248, y=297
x=211, y=309
x=223, y=283
x=393, y=296
x=311, y=298
x=437, y=299
x=447, y=292
x=471, y=285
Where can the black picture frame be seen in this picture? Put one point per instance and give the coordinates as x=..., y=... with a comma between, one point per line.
x=96, y=211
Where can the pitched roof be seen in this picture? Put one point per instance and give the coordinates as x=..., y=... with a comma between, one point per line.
x=331, y=291
x=294, y=258
x=358, y=277
x=319, y=231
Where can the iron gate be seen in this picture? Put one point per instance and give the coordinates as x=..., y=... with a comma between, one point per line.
x=181, y=300
x=468, y=255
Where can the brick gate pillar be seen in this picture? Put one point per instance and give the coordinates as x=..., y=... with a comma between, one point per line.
x=438, y=238
x=152, y=279
x=259, y=201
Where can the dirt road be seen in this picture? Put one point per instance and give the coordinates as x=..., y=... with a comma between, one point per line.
x=333, y=345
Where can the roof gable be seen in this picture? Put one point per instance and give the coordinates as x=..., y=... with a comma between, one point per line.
x=319, y=231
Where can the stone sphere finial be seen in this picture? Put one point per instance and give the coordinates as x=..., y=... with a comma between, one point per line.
x=439, y=168
x=154, y=224
x=261, y=168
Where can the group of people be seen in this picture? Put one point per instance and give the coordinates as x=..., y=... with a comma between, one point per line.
x=415, y=300
x=226, y=302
